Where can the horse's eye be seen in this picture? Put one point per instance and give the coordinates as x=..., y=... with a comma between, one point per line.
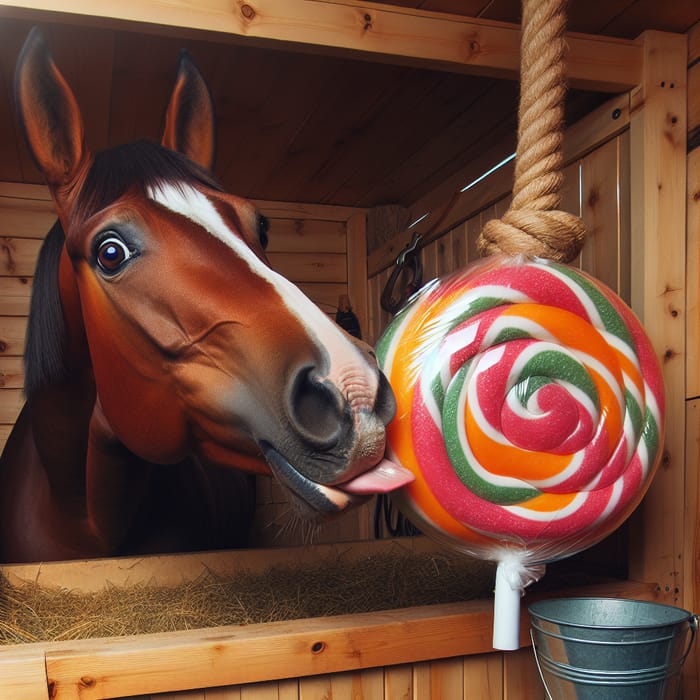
x=111, y=254
x=263, y=228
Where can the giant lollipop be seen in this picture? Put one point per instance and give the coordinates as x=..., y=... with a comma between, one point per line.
x=529, y=400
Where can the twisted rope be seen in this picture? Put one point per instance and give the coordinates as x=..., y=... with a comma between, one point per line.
x=533, y=224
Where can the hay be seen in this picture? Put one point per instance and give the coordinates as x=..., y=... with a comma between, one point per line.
x=333, y=586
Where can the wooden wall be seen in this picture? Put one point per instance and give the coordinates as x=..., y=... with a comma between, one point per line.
x=597, y=189
x=478, y=677
x=320, y=248
x=692, y=395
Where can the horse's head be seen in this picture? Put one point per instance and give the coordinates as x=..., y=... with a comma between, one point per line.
x=197, y=347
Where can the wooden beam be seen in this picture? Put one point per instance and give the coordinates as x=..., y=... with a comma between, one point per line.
x=376, y=32
x=102, y=668
x=658, y=250
x=357, y=268
x=23, y=673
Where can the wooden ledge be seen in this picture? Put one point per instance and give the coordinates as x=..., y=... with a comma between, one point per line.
x=377, y=32
x=104, y=668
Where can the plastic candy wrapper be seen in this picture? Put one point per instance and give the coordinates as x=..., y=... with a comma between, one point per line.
x=530, y=409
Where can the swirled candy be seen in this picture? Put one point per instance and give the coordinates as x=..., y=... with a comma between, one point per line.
x=529, y=408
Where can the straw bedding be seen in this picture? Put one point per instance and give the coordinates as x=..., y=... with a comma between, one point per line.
x=331, y=586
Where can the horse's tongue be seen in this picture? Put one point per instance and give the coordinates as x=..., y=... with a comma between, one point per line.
x=386, y=476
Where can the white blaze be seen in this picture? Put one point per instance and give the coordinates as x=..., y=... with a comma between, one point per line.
x=194, y=205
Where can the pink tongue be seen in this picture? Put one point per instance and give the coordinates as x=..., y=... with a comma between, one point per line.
x=385, y=477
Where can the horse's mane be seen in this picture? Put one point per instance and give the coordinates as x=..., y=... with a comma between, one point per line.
x=141, y=165
x=43, y=351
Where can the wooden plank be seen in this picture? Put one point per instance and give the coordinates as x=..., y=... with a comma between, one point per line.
x=691, y=553
x=387, y=33
x=300, y=267
x=11, y=372
x=483, y=677
x=397, y=162
x=658, y=166
x=598, y=127
x=90, y=669
x=421, y=682
x=398, y=682
x=18, y=256
x=692, y=366
x=92, y=575
x=625, y=218
x=227, y=655
x=521, y=679
x=12, y=332
x=306, y=236
x=15, y=293
x=324, y=294
x=304, y=210
x=356, y=238
x=694, y=106
x=11, y=402
x=315, y=687
x=600, y=213
x=23, y=674
x=360, y=685
x=227, y=693
x=429, y=259
x=23, y=190
x=447, y=678
x=261, y=691
x=22, y=218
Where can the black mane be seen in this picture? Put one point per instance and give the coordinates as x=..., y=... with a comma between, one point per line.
x=44, y=361
x=143, y=164
x=115, y=171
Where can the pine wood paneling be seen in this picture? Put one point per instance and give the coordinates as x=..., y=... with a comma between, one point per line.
x=521, y=679
x=658, y=222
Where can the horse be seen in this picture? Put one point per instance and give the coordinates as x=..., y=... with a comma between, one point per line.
x=166, y=363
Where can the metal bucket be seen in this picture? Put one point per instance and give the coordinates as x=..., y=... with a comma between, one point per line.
x=610, y=648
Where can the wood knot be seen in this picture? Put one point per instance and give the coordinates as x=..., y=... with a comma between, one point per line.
x=88, y=682
x=593, y=197
x=368, y=21
x=248, y=12
x=473, y=47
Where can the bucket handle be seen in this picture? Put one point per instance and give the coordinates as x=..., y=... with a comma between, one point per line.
x=539, y=668
x=693, y=622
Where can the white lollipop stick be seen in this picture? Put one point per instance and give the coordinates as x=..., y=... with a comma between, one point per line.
x=512, y=577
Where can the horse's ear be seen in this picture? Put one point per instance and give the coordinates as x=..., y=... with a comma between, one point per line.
x=189, y=119
x=48, y=113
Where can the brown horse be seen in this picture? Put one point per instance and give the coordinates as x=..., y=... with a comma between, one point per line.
x=165, y=361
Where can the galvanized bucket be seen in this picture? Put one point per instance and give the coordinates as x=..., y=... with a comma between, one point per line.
x=610, y=648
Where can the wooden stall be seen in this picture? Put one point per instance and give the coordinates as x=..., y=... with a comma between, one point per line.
x=633, y=174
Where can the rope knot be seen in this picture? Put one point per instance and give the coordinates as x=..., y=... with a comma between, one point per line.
x=533, y=224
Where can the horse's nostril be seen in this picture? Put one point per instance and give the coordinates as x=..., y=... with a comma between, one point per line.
x=385, y=405
x=316, y=409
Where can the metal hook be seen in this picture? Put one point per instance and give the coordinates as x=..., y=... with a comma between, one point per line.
x=410, y=249
x=408, y=262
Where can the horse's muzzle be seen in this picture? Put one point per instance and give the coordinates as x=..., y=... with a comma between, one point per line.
x=324, y=500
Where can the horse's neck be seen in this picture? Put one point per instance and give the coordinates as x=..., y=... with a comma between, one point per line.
x=60, y=419
x=62, y=407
